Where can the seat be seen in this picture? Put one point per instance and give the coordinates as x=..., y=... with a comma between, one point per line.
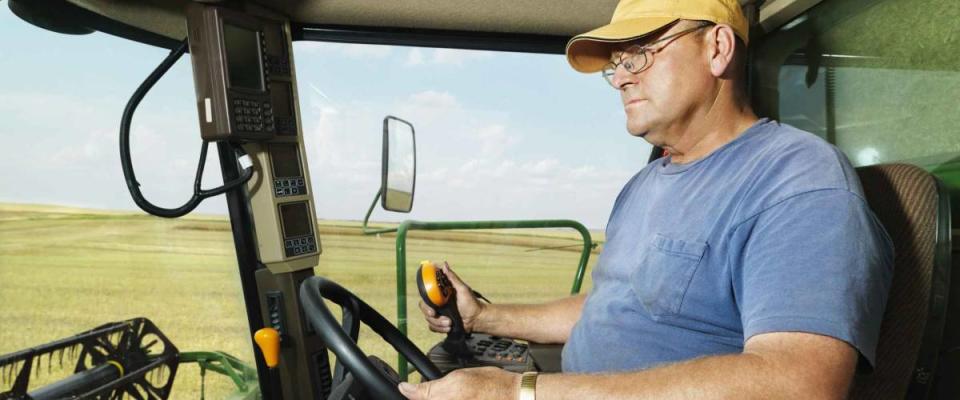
x=914, y=207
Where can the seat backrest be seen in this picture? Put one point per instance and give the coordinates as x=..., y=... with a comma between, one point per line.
x=914, y=208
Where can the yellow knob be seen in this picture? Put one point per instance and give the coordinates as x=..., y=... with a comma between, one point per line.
x=269, y=341
x=434, y=283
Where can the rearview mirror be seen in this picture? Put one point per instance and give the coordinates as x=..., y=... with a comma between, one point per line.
x=399, y=167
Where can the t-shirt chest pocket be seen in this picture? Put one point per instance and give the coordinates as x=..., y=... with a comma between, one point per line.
x=663, y=274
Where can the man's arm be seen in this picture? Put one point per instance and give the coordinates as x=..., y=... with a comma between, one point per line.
x=543, y=323
x=782, y=365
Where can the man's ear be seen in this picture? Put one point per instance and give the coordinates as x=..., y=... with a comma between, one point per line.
x=721, y=45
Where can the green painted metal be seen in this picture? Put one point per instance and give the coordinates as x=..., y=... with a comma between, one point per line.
x=409, y=225
x=366, y=229
x=242, y=375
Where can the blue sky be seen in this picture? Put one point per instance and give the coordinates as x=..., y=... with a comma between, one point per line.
x=499, y=135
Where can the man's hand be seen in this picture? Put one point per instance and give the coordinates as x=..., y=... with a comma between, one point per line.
x=470, y=309
x=487, y=383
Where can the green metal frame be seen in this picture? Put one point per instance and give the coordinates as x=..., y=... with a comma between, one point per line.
x=410, y=225
x=242, y=375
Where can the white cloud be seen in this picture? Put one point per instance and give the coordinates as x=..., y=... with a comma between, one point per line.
x=431, y=98
x=360, y=51
x=414, y=57
x=447, y=57
x=458, y=57
x=495, y=140
x=541, y=167
x=430, y=109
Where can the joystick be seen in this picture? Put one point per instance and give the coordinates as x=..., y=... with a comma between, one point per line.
x=438, y=293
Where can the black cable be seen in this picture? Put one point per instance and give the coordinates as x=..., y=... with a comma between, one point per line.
x=480, y=296
x=198, y=193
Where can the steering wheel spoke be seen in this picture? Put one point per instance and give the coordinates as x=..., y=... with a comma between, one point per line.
x=350, y=323
x=341, y=338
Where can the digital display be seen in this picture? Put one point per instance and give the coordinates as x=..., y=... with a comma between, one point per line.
x=243, y=57
x=295, y=219
x=286, y=161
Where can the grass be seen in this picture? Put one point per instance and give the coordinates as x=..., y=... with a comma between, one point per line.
x=63, y=271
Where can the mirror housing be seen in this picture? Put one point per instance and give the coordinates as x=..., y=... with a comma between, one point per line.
x=399, y=165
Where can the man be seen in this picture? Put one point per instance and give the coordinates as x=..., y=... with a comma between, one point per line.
x=746, y=264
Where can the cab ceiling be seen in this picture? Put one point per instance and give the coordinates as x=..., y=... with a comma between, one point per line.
x=549, y=18
x=543, y=17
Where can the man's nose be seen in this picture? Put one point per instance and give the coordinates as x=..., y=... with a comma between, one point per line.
x=622, y=77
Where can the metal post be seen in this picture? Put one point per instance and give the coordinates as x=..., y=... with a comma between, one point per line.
x=247, y=262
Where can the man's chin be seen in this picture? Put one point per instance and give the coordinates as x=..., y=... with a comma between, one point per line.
x=640, y=133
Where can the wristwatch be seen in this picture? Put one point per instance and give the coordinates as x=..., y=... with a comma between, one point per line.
x=528, y=386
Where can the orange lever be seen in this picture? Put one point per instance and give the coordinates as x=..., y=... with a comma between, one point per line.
x=269, y=341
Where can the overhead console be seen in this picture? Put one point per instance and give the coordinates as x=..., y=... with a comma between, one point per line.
x=246, y=93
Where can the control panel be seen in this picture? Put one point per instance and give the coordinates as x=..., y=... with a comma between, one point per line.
x=298, y=236
x=246, y=93
x=288, y=178
x=486, y=350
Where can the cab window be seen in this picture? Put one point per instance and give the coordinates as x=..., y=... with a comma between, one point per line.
x=866, y=76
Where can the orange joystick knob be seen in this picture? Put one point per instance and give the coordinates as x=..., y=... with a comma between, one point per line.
x=269, y=341
x=434, y=284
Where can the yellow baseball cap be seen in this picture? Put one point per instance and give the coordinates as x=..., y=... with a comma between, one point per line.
x=634, y=19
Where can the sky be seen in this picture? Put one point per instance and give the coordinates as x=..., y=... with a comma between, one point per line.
x=499, y=135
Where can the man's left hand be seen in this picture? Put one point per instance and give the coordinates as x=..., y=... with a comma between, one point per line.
x=487, y=383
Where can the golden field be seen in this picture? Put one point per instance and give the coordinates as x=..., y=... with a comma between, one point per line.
x=64, y=271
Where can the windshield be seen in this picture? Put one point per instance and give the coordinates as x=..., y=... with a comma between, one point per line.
x=499, y=136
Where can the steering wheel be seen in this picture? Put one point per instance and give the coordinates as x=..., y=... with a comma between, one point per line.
x=342, y=340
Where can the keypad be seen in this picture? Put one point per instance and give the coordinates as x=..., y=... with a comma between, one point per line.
x=252, y=115
x=278, y=65
x=300, y=246
x=283, y=187
x=499, y=349
x=487, y=350
x=286, y=125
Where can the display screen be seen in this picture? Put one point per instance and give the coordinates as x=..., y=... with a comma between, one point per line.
x=243, y=57
x=295, y=219
x=286, y=162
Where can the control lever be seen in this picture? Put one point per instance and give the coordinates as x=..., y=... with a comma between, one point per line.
x=438, y=293
x=269, y=341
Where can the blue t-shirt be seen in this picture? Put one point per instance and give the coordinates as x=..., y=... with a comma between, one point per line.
x=769, y=233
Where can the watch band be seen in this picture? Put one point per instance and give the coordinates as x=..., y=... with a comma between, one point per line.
x=528, y=386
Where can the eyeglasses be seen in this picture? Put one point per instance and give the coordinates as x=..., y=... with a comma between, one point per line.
x=637, y=58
